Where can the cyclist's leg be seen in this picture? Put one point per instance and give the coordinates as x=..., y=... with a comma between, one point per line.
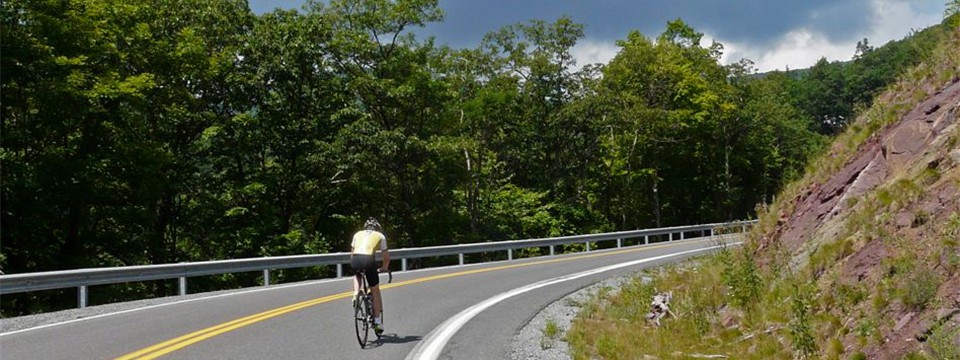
x=377, y=301
x=373, y=282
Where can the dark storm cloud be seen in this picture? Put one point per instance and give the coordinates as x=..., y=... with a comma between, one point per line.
x=758, y=22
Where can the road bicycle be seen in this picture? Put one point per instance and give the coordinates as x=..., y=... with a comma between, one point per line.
x=363, y=310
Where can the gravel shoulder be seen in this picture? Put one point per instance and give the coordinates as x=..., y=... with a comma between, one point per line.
x=532, y=342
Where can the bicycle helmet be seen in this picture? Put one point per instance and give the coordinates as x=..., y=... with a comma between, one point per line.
x=372, y=224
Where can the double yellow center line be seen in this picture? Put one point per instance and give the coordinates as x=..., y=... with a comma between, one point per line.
x=175, y=344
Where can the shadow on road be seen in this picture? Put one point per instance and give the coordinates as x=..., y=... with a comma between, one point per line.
x=396, y=339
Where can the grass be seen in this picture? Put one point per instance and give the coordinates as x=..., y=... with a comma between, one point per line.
x=941, y=341
x=705, y=322
x=550, y=334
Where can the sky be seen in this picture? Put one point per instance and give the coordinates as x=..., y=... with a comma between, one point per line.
x=774, y=34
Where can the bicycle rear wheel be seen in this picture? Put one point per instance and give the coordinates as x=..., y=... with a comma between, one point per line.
x=360, y=321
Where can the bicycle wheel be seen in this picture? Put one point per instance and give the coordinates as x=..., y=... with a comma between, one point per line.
x=360, y=321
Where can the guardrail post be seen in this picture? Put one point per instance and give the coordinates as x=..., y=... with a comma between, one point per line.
x=588, y=246
x=646, y=239
x=266, y=277
x=82, y=296
x=403, y=264
x=183, y=285
x=743, y=228
x=509, y=254
x=551, y=250
x=461, y=258
x=619, y=243
x=339, y=270
x=711, y=232
x=682, y=235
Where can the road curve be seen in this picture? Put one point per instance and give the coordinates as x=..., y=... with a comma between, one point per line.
x=312, y=320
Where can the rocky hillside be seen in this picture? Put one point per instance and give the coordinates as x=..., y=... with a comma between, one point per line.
x=876, y=222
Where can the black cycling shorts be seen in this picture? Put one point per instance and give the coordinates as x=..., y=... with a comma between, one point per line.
x=367, y=263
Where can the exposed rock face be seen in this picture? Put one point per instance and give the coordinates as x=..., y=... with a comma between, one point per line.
x=900, y=146
x=925, y=138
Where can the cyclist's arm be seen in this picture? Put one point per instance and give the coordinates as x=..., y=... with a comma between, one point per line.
x=353, y=243
x=386, y=261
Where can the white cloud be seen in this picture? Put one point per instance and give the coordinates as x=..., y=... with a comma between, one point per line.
x=795, y=50
x=801, y=48
x=590, y=51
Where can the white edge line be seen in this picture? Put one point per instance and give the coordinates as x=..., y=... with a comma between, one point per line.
x=436, y=340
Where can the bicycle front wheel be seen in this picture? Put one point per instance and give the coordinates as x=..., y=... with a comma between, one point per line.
x=361, y=323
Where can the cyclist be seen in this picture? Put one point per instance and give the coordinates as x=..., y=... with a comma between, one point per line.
x=362, y=250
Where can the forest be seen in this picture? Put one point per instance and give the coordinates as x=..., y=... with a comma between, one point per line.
x=149, y=132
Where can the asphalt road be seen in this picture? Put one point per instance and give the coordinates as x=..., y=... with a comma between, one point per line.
x=313, y=320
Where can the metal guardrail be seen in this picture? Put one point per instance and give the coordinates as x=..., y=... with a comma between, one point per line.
x=82, y=278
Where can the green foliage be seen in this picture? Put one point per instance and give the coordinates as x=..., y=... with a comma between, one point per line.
x=801, y=329
x=830, y=93
x=551, y=332
x=704, y=324
x=741, y=278
x=828, y=254
x=919, y=288
x=943, y=342
x=952, y=10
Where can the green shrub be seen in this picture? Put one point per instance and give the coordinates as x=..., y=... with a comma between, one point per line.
x=915, y=355
x=801, y=329
x=849, y=296
x=941, y=341
x=919, y=288
x=741, y=278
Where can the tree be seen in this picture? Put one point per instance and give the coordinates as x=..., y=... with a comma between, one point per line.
x=393, y=113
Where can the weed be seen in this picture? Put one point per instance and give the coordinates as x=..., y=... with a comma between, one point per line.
x=551, y=330
x=951, y=232
x=929, y=176
x=915, y=355
x=835, y=348
x=951, y=240
x=550, y=333
x=900, y=265
x=919, y=288
x=920, y=218
x=801, y=330
x=881, y=298
x=741, y=278
x=865, y=330
x=941, y=342
x=849, y=296
x=859, y=355
x=827, y=254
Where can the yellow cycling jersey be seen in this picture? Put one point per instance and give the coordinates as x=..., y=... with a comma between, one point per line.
x=365, y=242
